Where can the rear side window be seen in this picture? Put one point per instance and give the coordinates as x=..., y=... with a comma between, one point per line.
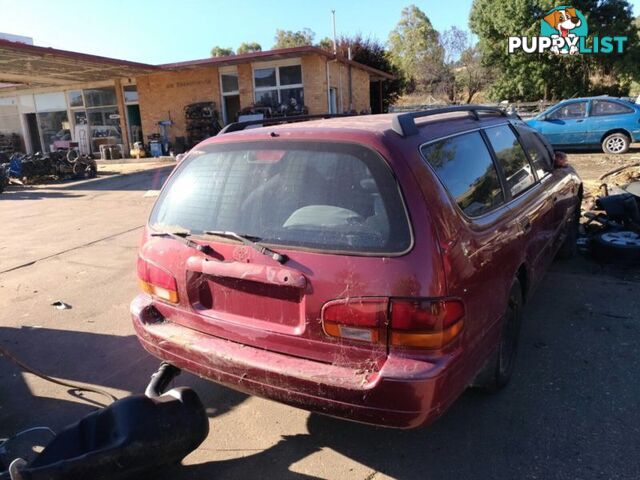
x=605, y=107
x=323, y=196
x=517, y=169
x=465, y=167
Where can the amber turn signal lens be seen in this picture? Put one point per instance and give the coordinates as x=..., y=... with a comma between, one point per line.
x=156, y=281
x=431, y=340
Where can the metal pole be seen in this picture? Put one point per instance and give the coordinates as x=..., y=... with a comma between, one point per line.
x=335, y=45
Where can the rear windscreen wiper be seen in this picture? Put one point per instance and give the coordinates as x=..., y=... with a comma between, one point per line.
x=252, y=242
x=182, y=237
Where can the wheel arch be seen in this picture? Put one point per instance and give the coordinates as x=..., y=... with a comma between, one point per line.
x=617, y=130
x=523, y=277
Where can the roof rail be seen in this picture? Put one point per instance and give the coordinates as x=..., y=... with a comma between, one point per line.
x=237, y=126
x=404, y=123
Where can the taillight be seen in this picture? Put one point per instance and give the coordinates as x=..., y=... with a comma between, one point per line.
x=417, y=323
x=355, y=318
x=425, y=323
x=156, y=281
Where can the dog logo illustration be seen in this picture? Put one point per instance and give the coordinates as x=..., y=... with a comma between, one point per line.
x=567, y=23
x=563, y=31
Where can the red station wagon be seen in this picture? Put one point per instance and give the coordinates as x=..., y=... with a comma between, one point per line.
x=369, y=268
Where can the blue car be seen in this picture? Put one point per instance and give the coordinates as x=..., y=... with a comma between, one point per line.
x=608, y=122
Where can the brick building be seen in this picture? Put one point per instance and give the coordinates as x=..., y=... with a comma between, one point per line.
x=49, y=96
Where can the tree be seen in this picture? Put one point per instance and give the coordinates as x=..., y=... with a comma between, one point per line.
x=326, y=43
x=473, y=76
x=218, y=51
x=249, y=48
x=289, y=39
x=464, y=61
x=373, y=53
x=415, y=49
x=522, y=76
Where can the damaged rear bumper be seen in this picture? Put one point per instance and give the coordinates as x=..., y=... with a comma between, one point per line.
x=404, y=393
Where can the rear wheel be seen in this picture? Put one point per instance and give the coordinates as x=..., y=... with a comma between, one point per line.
x=616, y=143
x=497, y=372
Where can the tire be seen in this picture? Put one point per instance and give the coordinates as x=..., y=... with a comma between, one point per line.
x=569, y=247
x=622, y=247
x=616, y=143
x=72, y=156
x=498, y=370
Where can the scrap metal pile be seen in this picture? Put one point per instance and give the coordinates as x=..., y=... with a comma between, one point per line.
x=612, y=225
x=9, y=144
x=25, y=169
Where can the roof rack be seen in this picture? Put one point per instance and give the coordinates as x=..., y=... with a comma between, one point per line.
x=404, y=123
x=237, y=126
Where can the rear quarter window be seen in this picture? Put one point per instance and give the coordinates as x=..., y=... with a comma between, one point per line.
x=317, y=195
x=604, y=107
x=465, y=167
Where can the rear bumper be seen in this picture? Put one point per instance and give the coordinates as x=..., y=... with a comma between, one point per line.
x=404, y=393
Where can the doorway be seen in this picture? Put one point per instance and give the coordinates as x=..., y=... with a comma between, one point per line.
x=34, y=134
x=135, y=124
x=231, y=107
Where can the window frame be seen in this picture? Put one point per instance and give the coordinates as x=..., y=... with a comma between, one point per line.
x=278, y=86
x=586, y=110
x=124, y=95
x=231, y=71
x=499, y=172
x=607, y=100
x=538, y=136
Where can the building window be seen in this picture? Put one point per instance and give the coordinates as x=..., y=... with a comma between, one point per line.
x=75, y=99
x=265, y=77
x=130, y=93
x=278, y=85
x=54, y=127
x=229, y=82
x=95, y=112
x=100, y=97
x=291, y=75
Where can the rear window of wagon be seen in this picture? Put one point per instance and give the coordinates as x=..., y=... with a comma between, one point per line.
x=324, y=196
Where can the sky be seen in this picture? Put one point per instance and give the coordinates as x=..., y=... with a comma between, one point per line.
x=164, y=31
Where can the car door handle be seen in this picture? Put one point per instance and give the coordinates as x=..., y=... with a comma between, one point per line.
x=525, y=224
x=579, y=121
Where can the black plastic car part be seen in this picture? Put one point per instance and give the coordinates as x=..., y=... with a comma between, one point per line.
x=131, y=437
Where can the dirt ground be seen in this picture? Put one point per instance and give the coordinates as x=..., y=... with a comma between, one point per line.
x=593, y=165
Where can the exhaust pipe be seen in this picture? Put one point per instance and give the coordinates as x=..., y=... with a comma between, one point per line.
x=161, y=379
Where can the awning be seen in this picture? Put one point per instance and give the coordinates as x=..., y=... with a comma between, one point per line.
x=29, y=66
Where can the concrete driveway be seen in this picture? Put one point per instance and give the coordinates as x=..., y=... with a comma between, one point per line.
x=570, y=412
